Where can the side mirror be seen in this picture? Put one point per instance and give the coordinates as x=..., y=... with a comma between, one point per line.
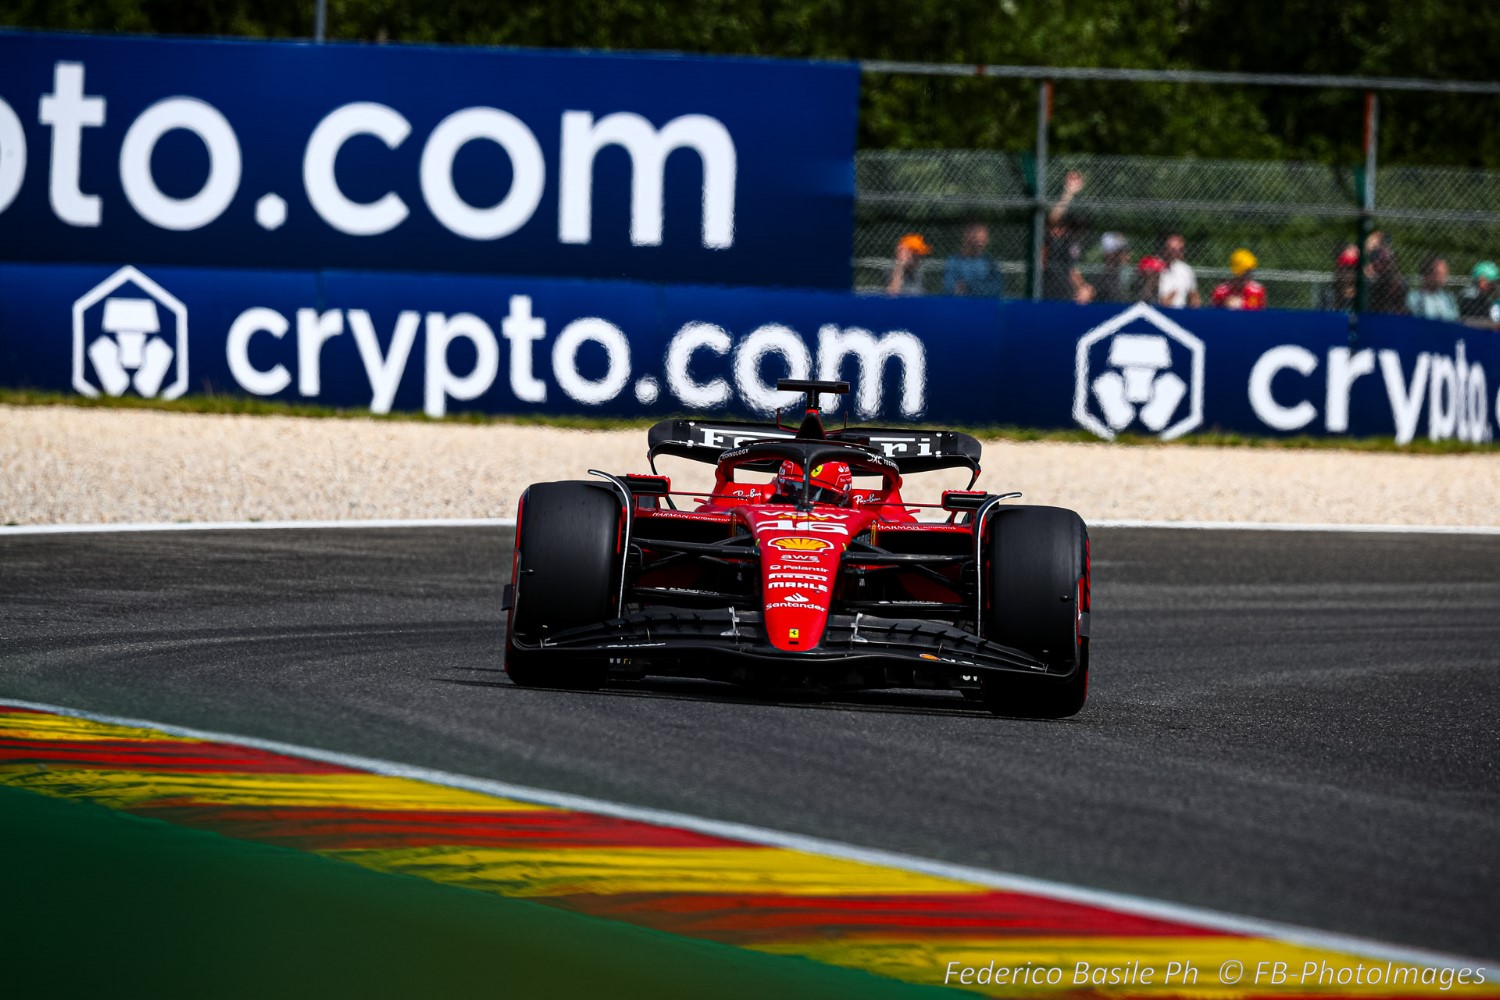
x=961, y=500
x=648, y=486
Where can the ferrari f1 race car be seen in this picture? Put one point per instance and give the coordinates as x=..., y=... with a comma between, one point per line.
x=802, y=567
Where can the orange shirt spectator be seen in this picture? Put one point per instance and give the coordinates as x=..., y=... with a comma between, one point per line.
x=905, y=275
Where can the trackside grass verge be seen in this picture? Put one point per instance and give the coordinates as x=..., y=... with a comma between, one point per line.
x=101, y=903
x=241, y=405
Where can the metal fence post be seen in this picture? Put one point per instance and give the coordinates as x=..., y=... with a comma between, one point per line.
x=1039, y=214
x=320, y=20
x=1366, y=204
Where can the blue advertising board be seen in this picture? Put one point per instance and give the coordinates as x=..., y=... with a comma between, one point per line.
x=1166, y=372
x=443, y=344
x=410, y=158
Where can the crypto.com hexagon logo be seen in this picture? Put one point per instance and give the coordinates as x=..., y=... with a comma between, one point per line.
x=132, y=341
x=1123, y=379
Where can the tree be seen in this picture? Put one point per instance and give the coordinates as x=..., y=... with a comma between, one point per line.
x=1420, y=38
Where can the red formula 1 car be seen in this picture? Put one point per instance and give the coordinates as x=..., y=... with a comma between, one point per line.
x=822, y=576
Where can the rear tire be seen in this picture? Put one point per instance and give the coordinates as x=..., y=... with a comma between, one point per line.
x=1037, y=584
x=566, y=575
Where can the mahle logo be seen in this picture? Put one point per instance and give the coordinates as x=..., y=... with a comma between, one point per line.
x=129, y=333
x=1149, y=377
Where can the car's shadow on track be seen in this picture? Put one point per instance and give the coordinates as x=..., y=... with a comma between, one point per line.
x=897, y=701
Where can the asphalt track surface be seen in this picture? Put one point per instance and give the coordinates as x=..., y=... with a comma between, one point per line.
x=1303, y=727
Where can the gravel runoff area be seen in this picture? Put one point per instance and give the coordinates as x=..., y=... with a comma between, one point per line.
x=70, y=465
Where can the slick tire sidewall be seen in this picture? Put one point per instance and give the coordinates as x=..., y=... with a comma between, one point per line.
x=1036, y=558
x=566, y=575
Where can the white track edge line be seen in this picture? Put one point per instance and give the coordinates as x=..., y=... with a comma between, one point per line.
x=1394, y=529
x=510, y=522
x=1105, y=899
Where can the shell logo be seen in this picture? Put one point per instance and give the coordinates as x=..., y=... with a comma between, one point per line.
x=801, y=544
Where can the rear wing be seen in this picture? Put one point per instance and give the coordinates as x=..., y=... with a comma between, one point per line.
x=911, y=450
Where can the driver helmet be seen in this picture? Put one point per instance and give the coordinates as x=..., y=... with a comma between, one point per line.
x=831, y=482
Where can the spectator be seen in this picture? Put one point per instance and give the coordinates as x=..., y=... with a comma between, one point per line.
x=1432, y=300
x=1241, y=291
x=970, y=272
x=1339, y=294
x=1111, y=287
x=1477, y=304
x=1385, y=288
x=1179, y=283
x=905, y=275
x=1061, y=278
x=1148, y=279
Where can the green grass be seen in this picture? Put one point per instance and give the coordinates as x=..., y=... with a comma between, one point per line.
x=263, y=407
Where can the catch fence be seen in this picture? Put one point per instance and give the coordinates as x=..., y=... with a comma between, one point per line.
x=1295, y=217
